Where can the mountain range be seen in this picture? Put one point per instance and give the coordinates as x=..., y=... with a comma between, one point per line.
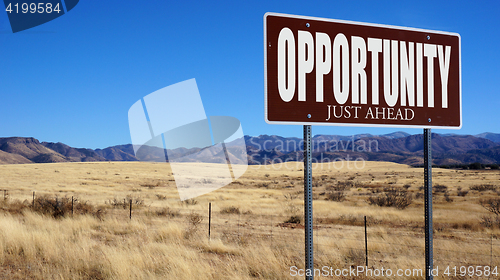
x=400, y=147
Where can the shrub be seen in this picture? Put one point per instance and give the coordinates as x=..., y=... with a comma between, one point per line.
x=342, y=186
x=490, y=222
x=345, y=185
x=483, y=187
x=190, y=201
x=99, y=214
x=82, y=207
x=462, y=193
x=295, y=219
x=447, y=197
x=125, y=203
x=475, y=166
x=167, y=212
x=60, y=207
x=392, y=197
x=51, y=206
x=116, y=203
x=338, y=196
x=194, y=220
x=354, y=257
x=264, y=185
x=492, y=205
x=230, y=210
x=440, y=188
x=149, y=186
x=161, y=196
x=137, y=201
x=14, y=206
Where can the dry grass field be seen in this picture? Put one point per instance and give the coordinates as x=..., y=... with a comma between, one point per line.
x=256, y=230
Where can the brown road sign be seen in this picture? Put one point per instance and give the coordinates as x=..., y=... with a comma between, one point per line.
x=331, y=72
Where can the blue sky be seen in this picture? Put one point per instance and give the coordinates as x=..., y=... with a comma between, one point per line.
x=73, y=79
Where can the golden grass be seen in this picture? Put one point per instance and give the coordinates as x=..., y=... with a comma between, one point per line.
x=162, y=241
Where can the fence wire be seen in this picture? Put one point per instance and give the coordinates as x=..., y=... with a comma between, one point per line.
x=382, y=242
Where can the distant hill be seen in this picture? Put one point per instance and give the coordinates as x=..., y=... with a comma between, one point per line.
x=73, y=154
x=117, y=153
x=395, y=135
x=440, y=144
x=8, y=158
x=30, y=149
x=495, y=137
x=490, y=153
x=400, y=147
x=446, y=150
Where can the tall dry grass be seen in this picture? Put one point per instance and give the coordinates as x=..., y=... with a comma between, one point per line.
x=34, y=246
x=165, y=240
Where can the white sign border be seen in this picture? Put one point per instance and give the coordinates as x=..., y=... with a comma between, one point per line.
x=364, y=24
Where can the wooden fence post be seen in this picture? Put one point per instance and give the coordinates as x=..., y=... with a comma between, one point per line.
x=131, y=209
x=366, y=245
x=209, y=218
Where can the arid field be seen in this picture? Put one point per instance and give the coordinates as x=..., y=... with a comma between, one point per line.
x=256, y=222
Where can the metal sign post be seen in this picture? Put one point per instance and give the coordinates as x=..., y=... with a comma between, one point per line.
x=308, y=207
x=428, y=203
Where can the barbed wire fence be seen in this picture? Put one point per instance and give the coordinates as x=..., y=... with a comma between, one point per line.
x=376, y=247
